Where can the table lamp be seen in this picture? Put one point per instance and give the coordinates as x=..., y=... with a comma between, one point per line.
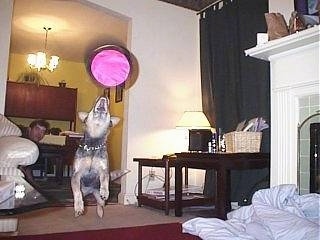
x=199, y=130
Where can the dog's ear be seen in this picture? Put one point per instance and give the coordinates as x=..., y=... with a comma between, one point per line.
x=82, y=116
x=114, y=121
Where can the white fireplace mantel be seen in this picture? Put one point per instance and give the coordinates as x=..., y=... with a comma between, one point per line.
x=285, y=45
x=294, y=73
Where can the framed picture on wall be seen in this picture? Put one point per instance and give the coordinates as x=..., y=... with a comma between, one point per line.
x=106, y=92
x=307, y=7
x=119, y=93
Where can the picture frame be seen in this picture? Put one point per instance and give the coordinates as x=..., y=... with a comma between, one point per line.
x=106, y=92
x=119, y=93
x=32, y=77
x=307, y=7
x=308, y=11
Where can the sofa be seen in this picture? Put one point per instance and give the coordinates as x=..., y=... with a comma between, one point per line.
x=14, y=151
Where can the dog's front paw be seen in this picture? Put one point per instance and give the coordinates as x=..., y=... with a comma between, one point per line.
x=104, y=193
x=78, y=208
x=78, y=213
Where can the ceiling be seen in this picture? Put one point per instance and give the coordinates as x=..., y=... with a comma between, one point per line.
x=195, y=5
x=76, y=30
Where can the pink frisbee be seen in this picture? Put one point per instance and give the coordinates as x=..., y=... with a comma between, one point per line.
x=109, y=65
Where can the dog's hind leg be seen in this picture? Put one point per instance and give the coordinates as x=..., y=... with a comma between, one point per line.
x=100, y=203
x=77, y=195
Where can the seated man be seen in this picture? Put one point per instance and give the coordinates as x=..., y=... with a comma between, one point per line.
x=35, y=132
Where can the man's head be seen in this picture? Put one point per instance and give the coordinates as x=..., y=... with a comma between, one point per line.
x=37, y=129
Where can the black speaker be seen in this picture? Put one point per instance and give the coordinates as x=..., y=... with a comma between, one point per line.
x=198, y=139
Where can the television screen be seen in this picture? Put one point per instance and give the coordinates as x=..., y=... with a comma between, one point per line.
x=198, y=139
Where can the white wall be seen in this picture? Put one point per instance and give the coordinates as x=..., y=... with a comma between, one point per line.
x=6, y=7
x=165, y=41
x=285, y=7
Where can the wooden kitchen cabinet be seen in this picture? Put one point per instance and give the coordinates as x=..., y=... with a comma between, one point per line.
x=41, y=102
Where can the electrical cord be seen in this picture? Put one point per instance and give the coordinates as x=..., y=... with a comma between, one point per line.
x=156, y=176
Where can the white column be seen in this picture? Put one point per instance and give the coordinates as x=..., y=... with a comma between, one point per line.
x=283, y=138
x=6, y=8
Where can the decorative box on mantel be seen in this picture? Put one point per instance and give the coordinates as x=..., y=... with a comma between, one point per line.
x=294, y=66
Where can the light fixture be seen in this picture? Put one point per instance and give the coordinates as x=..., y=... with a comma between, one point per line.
x=200, y=132
x=39, y=59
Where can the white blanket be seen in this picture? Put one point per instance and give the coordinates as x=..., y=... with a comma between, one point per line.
x=277, y=213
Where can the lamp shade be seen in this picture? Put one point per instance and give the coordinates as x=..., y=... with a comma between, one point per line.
x=193, y=120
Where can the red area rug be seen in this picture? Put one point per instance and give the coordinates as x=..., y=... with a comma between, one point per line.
x=169, y=231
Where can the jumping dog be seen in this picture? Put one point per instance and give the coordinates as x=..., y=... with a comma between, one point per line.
x=91, y=164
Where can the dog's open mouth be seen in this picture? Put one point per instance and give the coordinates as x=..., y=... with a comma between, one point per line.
x=101, y=105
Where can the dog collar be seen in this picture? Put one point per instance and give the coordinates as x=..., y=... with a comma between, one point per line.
x=87, y=148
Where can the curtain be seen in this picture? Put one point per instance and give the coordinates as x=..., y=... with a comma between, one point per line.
x=234, y=87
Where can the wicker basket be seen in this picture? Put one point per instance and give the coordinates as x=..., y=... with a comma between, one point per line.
x=243, y=142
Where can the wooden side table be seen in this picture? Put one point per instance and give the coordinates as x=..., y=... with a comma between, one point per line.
x=53, y=153
x=166, y=204
x=223, y=163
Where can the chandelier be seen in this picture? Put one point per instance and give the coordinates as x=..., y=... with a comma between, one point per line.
x=39, y=60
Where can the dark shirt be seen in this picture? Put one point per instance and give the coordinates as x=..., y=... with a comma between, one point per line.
x=24, y=131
